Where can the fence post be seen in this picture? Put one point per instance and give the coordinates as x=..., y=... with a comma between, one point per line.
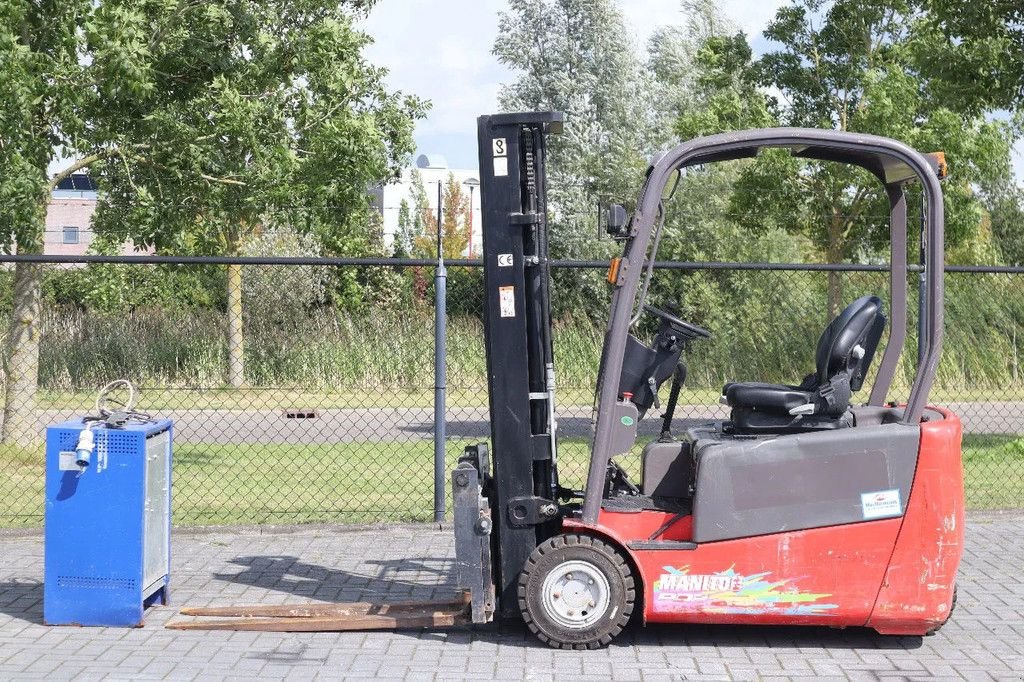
x=440, y=369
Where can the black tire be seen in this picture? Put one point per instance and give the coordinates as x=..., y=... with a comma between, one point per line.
x=592, y=554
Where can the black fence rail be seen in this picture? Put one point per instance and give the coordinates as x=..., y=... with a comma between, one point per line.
x=305, y=393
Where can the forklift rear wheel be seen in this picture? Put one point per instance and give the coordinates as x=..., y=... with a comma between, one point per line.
x=576, y=592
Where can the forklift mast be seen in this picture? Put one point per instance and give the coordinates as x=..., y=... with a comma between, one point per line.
x=517, y=316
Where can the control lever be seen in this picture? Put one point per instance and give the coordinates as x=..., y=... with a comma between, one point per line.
x=678, y=379
x=654, y=391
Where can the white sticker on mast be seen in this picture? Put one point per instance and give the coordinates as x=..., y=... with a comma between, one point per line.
x=499, y=147
x=507, y=301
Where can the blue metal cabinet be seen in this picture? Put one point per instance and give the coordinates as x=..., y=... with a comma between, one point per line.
x=107, y=525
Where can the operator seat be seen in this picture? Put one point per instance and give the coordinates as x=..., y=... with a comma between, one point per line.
x=822, y=400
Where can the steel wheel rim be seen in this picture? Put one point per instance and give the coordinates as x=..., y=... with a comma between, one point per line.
x=576, y=594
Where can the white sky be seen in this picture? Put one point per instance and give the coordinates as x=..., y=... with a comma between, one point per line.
x=441, y=51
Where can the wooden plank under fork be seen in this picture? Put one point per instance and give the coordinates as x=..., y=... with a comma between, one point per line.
x=328, y=617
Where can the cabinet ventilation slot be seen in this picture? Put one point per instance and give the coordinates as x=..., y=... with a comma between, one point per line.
x=80, y=582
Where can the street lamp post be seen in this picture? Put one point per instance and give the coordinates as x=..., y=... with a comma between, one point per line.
x=472, y=184
x=440, y=243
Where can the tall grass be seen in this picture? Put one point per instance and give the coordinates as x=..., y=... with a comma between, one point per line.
x=87, y=349
x=320, y=349
x=764, y=325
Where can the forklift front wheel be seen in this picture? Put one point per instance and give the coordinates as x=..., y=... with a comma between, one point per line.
x=576, y=592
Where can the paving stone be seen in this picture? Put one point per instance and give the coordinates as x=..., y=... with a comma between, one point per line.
x=985, y=639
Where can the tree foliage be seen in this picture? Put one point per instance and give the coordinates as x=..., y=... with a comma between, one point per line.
x=973, y=53
x=852, y=65
x=887, y=67
x=1007, y=215
x=574, y=56
x=402, y=246
x=672, y=60
x=233, y=108
x=455, y=220
x=272, y=292
x=726, y=93
x=197, y=119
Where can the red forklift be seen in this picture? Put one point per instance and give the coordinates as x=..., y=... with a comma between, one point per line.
x=805, y=507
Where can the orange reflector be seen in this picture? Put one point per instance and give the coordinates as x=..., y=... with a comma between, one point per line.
x=613, y=270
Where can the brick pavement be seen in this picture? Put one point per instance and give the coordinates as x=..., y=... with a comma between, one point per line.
x=985, y=639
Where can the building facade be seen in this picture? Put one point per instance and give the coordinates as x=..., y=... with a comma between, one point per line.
x=69, y=214
x=69, y=217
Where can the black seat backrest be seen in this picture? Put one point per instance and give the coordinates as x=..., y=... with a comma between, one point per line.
x=860, y=324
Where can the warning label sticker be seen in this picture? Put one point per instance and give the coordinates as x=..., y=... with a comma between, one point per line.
x=881, y=504
x=507, y=301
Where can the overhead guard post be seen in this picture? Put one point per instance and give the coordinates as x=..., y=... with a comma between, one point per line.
x=897, y=294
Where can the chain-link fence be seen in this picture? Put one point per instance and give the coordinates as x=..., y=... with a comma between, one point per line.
x=303, y=392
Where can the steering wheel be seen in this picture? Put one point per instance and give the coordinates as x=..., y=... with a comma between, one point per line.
x=691, y=329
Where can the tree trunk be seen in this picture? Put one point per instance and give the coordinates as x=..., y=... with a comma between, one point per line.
x=236, y=336
x=835, y=293
x=21, y=358
x=834, y=254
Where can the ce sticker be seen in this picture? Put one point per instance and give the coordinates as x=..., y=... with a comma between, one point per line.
x=504, y=260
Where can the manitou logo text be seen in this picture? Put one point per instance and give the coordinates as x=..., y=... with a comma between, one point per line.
x=679, y=591
x=699, y=583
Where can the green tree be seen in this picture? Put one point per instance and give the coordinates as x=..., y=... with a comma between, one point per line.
x=673, y=62
x=419, y=203
x=574, y=56
x=455, y=223
x=40, y=95
x=107, y=287
x=404, y=234
x=197, y=118
x=381, y=287
x=974, y=52
x=725, y=94
x=851, y=65
x=274, y=292
x=1007, y=215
